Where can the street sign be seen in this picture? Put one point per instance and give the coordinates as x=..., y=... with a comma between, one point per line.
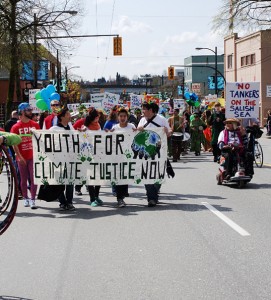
x=196, y=88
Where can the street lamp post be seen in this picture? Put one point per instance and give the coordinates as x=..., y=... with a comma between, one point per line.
x=36, y=22
x=215, y=52
x=67, y=69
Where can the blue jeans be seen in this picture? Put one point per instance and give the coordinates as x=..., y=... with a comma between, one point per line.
x=152, y=191
x=66, y=196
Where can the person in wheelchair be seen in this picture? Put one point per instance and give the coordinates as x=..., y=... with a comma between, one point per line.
x=232, y=142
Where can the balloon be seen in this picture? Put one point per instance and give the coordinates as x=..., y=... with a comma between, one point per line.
x=50, y=89
x=38, y=95
x=197, y=104
x=192, y=117
x=193, y=96
x=41, y=104
x=55, y=96
x=44, y=94
x=187, y=96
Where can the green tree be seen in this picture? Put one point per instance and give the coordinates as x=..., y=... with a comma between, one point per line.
x=18, y=28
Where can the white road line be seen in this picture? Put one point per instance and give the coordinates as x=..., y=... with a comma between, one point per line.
x=228, y=221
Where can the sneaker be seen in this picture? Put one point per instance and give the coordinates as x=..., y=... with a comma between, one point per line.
x=127, y=195
x=70, y=207
x=32, y=204
x=94, y=203
x=99, y=201
x=62, y=207
x=26, y=202
x=121, y=203
x=152, y=203
x=78, y=193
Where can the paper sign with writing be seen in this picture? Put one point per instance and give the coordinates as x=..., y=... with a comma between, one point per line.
x=135, y=101
x=74, y=106
x=32, y=100
x=94, y=158
x=97, y=97
x=242, y=99
x=179, y=103
x=110, y=100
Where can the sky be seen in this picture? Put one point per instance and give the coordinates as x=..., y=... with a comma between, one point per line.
x=155, y=34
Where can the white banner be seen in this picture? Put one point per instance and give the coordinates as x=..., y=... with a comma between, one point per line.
x=32, y=100
x=242, y=99
x=95, y=158
x=110, y=100
x=136, y=101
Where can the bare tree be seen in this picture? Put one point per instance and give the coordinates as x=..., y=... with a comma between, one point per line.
x=243, y=14
x=22, y=21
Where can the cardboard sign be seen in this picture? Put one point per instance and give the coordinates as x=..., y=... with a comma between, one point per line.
x=242, y=99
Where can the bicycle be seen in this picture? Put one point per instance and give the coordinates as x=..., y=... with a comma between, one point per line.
x=8, y=202
x=254, y=133
x=258, y=154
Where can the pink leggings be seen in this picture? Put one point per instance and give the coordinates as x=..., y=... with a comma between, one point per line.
x=26, y=171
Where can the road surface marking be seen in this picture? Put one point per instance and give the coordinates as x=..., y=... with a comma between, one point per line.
x=228, y=221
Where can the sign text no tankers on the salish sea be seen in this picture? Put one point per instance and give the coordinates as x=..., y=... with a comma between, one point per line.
x=242, y=99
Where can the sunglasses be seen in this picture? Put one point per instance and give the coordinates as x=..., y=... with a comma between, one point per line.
x=55, y=104
x=29, y=109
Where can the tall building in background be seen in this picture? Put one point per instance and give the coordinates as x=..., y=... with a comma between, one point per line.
x=248, y=59
x=201, y=79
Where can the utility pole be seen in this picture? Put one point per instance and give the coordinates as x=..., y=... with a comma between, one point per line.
x=35, y=66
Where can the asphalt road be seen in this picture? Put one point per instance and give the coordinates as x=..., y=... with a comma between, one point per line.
x=180, y=249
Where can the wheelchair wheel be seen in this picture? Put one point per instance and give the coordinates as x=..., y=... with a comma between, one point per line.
x=8, y=190
x=258, y=155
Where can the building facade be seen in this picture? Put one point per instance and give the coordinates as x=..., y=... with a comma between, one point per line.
x=248, y=59
x=199, y=75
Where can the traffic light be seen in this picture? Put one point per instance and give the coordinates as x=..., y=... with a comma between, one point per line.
x=117, y=48
x=170, y=73
x=222, y=94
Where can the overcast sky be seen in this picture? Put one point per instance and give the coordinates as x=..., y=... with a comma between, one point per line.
x=155, y=34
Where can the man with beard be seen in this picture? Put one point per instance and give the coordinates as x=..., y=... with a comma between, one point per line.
x=24, y=152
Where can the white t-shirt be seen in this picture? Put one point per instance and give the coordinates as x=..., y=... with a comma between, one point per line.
x=129, y=126
x=58, y=128
x=160, y=120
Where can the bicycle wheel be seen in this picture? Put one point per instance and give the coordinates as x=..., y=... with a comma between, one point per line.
x=258, y=155
x=8, y=190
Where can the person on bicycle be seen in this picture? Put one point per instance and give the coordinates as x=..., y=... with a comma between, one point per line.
x=231, y=140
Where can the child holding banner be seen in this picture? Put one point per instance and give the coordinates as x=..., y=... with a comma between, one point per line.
x=111, y=120
x=92, y=123
x=123, y=125
x=65, y=199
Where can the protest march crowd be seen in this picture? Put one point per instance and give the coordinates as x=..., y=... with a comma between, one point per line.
x=201, y=130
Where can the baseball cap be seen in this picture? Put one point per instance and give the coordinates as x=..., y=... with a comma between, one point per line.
x=24, y=106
